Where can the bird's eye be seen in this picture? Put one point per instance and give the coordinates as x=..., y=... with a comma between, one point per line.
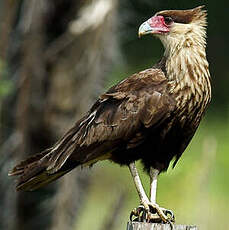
x=168, y=20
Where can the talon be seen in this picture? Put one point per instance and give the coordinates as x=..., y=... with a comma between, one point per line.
x=139, y=213
x=171, y=225
x=133, y=213
x=159, y=211
x=170, y=214
x=152, y=213
x=160, y=214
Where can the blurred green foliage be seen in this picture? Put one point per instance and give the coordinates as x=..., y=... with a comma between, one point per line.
x=5, y=85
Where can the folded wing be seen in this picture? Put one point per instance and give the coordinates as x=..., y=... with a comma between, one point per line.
x=114, y=120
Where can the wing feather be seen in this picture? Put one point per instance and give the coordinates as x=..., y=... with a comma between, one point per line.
x=141, y=99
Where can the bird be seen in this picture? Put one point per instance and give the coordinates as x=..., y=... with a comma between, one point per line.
x=149, y=116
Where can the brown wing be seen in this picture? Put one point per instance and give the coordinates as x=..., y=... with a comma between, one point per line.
x=141, y=99
x=117, y=116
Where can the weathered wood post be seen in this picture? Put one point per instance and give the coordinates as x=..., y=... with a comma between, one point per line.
x=151, y=226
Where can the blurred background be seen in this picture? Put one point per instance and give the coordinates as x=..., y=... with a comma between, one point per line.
x=56, y=57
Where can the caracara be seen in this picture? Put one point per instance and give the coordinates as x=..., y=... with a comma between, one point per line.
x=150, y=116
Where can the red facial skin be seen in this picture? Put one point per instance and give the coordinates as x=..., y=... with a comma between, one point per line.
x=157, y=23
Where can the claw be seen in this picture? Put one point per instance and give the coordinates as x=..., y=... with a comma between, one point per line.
x=171, y=224
x=165, y=214
x=169, y=214
x=139, y=213
x=152, y=213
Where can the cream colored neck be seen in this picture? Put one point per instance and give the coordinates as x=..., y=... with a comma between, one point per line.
x=186, y=58
x=187, y=69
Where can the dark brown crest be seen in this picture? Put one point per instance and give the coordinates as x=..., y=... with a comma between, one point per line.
x=185, y=16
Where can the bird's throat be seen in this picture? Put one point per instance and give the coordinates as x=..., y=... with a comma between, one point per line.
x=187, y=68
x=189, y=77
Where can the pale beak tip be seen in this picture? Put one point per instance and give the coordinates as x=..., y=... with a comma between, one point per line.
x=144, y=29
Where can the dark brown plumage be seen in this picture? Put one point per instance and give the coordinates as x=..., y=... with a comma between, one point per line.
x=150, y=116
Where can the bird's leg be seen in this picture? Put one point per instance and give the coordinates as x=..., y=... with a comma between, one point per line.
x=138, y=184
x=148, y=210
x=163, y=214
x=142, y=195
x=153, y=184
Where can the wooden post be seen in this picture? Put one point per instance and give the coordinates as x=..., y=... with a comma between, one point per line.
x=148, y=226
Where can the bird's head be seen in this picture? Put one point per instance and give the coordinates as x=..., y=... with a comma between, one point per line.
x=177, y=27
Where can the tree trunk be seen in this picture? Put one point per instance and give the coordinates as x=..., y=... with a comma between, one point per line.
x=58, y=57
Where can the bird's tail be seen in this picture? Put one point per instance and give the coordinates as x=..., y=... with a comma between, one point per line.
x=69, y=152
x=34, y=174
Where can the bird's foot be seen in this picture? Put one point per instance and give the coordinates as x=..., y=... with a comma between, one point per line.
x=159, y=214
x=152, y=213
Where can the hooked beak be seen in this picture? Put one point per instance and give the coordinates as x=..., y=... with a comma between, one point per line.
x=144, y=28
x=154, y=25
